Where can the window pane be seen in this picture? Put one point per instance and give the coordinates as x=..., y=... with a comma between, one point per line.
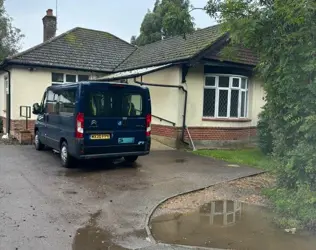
x=246, y=104
x=83, y=78
x=234, y=103
x=209, y=103
x=236, y=82
x=243, y=101
x=223, y=101
x=132, y=105
x=57, y=77
x=243, y=83
x=223, y=81
x=210, y=81
x=71, y=78
x=67, y=101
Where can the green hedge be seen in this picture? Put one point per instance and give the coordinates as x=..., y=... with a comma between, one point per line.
x=265, y=140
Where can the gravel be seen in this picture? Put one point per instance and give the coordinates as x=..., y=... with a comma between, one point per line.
x=10, y=141
x=246, y=190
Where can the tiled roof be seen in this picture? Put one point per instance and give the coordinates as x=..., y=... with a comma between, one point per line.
x=240, y=55
x=171, y=49
x=94, y=50
x=78, y=48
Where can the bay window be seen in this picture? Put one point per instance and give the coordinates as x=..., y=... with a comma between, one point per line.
x=225, y=96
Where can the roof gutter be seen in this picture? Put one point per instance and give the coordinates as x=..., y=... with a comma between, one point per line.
x=6, y=63
x=184, y=105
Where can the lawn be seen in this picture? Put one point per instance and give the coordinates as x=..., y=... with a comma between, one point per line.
x=250, y=157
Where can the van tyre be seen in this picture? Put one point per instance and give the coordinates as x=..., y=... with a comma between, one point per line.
x=37, y=142
x=67, y=161
x=131, y=159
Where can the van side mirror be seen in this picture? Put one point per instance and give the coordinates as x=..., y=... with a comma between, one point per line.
x=36, y=109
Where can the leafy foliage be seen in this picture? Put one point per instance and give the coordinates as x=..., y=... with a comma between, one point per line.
x=168, y=18
x=282, y=33
x=265, y=139
x=10, y=36
x=296, y=209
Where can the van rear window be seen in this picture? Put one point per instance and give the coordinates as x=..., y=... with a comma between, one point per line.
x=113, y=103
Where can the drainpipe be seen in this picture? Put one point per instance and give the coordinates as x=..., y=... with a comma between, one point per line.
x=185, y=101
x=8, y=105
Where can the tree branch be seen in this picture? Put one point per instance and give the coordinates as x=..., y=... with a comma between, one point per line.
x=196, y=9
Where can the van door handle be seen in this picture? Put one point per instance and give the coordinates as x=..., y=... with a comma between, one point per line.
x=46, y=117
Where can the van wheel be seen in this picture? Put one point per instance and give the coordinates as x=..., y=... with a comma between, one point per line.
x=67, y=161
x=130, y=159
x=37, y=142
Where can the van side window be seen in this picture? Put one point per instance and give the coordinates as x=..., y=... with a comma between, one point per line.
x=67, y=102
x=52, y=102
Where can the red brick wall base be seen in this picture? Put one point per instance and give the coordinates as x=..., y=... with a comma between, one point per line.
x=206, y=136
x=201, y=136
x=19, y=130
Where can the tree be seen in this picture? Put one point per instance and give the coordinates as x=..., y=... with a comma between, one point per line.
x=133, y=40
x=168, y=18
x=10, y=36
x=282, y=34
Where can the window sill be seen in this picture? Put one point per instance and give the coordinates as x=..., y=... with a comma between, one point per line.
x=226, y=119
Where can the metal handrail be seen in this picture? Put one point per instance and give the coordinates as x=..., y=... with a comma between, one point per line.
x=165, y=120
x=160, y=118
x=27, y=114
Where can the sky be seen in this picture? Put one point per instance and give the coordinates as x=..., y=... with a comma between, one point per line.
x=121, y=18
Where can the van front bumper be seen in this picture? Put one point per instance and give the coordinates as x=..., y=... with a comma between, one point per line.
x=112, y=155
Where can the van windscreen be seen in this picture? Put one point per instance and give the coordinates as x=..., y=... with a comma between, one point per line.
x=113, y=103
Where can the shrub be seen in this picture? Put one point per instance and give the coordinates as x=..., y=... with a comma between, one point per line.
x=264, y=133
x=294, y=208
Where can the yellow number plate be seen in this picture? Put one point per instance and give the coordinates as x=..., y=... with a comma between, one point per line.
x=100, y=137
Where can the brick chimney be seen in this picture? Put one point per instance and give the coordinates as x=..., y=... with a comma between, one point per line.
x=49, y=25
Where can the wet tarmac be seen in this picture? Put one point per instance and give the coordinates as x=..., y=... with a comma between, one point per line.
x=43, y=206
x=229, y=225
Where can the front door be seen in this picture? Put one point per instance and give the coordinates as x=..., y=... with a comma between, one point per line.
x=51, y=117
x=41, y=120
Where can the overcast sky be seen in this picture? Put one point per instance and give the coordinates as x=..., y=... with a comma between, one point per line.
x=119, y=17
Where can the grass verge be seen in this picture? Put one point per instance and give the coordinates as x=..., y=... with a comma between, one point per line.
x=252, y=157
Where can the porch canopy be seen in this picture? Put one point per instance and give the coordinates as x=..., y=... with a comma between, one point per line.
x=133, y=73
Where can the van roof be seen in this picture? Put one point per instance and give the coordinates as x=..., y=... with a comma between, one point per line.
x=93, y=83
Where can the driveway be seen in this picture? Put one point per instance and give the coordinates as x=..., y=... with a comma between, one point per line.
x=97, y=206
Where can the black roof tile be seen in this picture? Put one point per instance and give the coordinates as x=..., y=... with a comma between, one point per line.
x=171, y=49
x=78, y=48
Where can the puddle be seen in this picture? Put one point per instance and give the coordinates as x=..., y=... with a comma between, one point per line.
x=228, y=225
x=92, y=237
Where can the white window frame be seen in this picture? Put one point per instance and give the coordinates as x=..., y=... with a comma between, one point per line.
x=64, y=77
x=229, y=89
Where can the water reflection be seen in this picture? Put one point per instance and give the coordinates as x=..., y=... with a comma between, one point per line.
x=228, y=225
x=221, y=213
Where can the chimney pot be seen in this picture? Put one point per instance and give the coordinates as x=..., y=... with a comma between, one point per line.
x=49, y=12
x=49, y=25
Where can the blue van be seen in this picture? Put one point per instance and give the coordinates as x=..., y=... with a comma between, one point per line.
x=89, y=120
